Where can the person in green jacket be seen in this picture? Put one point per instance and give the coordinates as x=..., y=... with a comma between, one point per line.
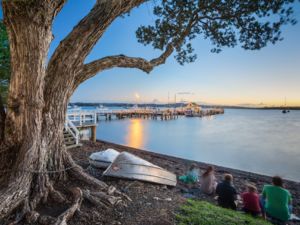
x=192, y=175
x=277, y=201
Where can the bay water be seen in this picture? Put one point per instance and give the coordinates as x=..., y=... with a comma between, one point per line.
x=261, y=141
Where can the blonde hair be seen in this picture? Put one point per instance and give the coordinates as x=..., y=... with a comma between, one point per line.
x=251, y=187
x=228, y=177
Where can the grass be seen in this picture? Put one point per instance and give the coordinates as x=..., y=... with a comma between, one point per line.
x=204, y=213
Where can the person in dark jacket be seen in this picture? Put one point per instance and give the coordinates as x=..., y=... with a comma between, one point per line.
x=226, y=192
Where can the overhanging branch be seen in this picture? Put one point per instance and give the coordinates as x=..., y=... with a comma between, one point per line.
x=77, y=45
x=91, y=69
x=69, y=56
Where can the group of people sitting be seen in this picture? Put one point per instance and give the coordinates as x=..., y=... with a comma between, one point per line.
x=274, y=201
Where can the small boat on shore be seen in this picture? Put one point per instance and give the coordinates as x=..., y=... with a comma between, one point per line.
x=103, y=159
x=129, y=166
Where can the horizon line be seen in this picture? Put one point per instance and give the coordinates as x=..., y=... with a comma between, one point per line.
x=241, y=105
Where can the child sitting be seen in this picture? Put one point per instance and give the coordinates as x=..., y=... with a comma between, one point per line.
x=208, y=181
x=227, y=194
x=192, y=175
x=251, y=200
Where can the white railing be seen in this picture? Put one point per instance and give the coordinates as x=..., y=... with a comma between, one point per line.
x=82, y=117
x=72, y=129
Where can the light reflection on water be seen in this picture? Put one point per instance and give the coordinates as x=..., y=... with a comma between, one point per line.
x=263, y=141
x=134, y=136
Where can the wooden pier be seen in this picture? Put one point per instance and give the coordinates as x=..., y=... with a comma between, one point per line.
x=138, y=113
x=78, y=120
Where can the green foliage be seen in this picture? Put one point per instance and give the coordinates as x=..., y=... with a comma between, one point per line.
x=204, y=213
x=4, y=62
x=252, y=24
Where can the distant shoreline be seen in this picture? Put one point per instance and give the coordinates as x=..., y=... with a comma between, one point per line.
x=181, y=104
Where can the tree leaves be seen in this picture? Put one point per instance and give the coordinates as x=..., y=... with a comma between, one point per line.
x=250, y=23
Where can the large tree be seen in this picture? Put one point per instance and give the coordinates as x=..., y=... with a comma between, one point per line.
x=33, y=155
x=4, y=74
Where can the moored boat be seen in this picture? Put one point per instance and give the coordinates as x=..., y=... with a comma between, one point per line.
x=192, y=109
x=129, y=166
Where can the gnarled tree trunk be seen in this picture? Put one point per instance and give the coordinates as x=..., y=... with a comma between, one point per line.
x=28, y=146
x=32, y=151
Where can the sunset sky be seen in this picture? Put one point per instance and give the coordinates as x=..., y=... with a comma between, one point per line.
x=234, y=76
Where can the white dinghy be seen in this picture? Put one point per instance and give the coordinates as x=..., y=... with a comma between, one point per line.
x=103, y=159
x=129, y=166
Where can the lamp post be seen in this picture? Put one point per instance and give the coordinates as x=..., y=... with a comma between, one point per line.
x=137, y=96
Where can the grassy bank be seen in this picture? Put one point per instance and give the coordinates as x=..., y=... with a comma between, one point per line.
x=204, y=213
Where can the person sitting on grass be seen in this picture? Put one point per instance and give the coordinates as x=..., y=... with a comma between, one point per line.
x=276, y=201
x=226, y=192
x=251, y=200
x=208, y=181
x=192, y=175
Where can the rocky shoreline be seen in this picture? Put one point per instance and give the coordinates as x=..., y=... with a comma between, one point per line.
x=150, y=201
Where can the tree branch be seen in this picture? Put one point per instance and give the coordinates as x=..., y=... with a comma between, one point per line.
x=91, y=69
x=77, y=45
x=57, y=6
x=69, y=56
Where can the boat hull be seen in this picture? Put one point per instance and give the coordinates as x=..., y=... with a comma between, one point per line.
x=99, y=164
x=103, y=159
x=129, y=166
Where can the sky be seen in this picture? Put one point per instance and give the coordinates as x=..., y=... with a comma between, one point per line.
x=232, y=77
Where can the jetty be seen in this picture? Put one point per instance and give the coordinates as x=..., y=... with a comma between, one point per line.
x=78, y=120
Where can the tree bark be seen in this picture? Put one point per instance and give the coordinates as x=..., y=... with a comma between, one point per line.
x=2, y=120
x=28, y=154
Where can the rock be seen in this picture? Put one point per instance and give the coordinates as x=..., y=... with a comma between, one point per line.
x=164, y=187
x=162, y=199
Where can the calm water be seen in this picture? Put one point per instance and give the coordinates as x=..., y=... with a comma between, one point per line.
x=262, y=141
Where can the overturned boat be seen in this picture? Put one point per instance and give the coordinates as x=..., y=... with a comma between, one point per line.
x=129, y=166
x=103, y=159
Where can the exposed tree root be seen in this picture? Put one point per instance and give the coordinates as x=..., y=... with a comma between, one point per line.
x=78, y=173
x=68, y=214
x=94, y=200
x=32, y=216
x=102, y=198
x=111, y=190
x=12, y=197
x=21, y=193
x=56, y=195
x=25, y=211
